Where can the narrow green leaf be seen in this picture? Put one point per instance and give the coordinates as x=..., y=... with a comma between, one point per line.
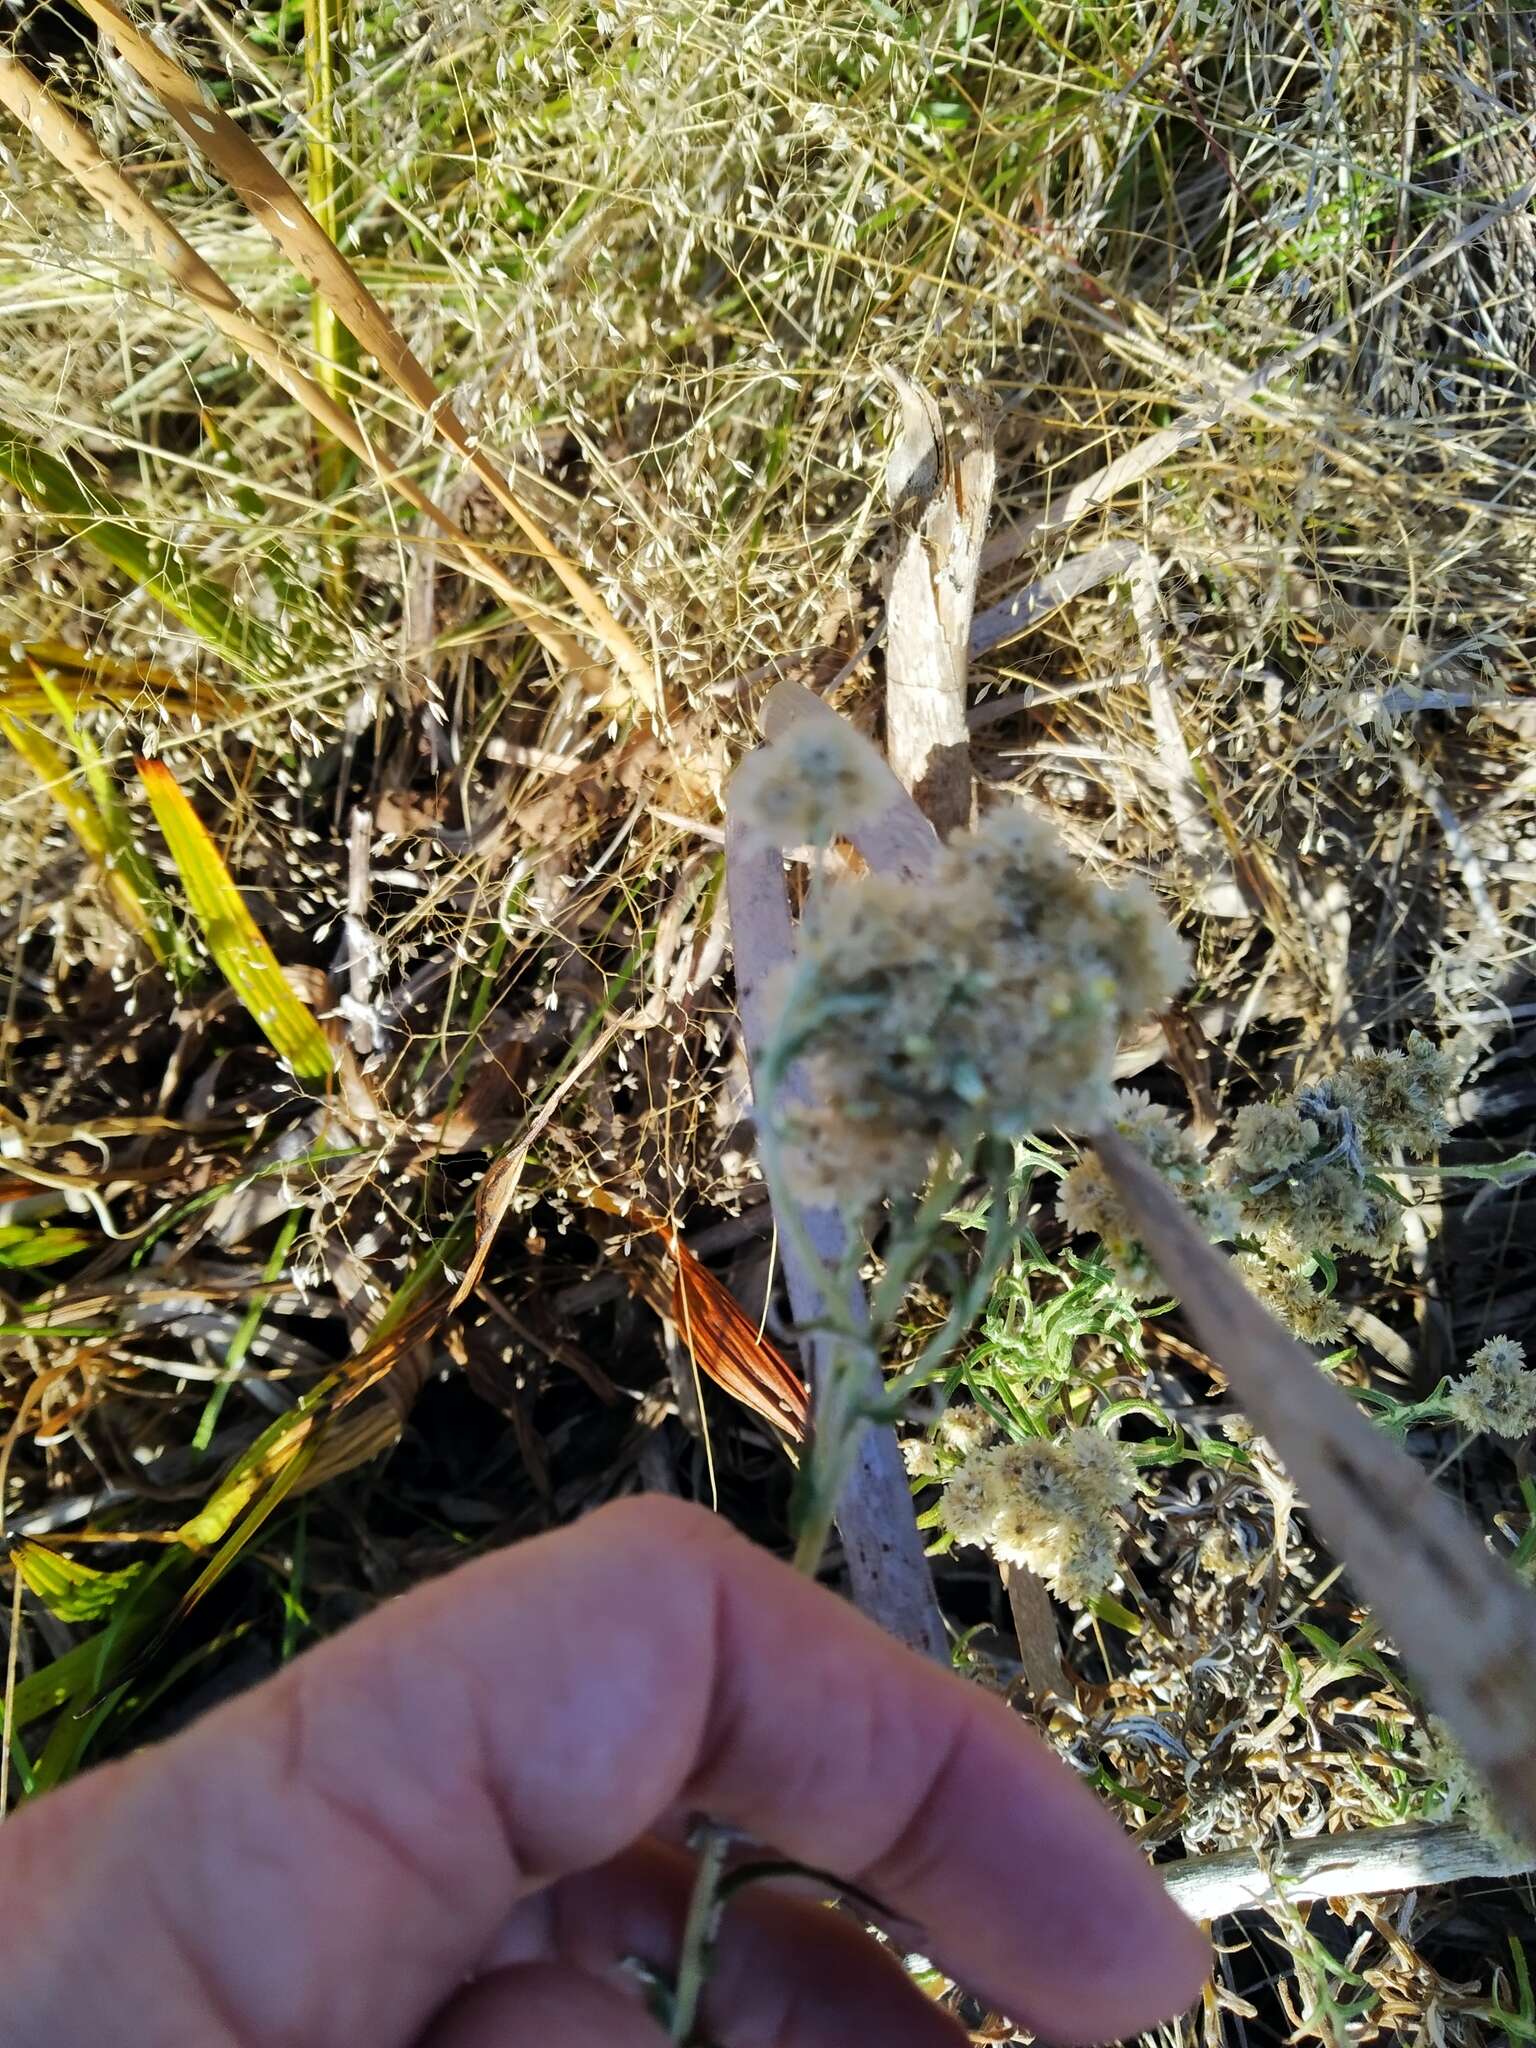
x=91, y=512
x=26, y=1244
x=1502, y=1172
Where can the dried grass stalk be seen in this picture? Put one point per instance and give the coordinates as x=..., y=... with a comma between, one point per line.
x=280, y=210
x=148, y=229
x=1220, y=895
x=1150, y=455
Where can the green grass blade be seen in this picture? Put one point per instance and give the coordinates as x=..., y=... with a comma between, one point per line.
x=91, y=513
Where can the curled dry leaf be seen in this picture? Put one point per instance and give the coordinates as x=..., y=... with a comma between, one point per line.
x=720, y=1337
x=941, y=491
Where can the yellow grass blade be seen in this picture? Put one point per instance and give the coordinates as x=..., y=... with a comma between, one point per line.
x=311, y=250
x=71, y=1591
x=148, y=229
x=97, y=682
x=105, y=835
x=238, y=948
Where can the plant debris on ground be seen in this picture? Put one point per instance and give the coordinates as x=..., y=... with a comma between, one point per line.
x=378, y=1170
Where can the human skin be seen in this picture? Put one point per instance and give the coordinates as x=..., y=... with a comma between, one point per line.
x=448, y=1826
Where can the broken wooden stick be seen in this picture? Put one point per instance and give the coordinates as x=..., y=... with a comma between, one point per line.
x=1361, y=1863
x=940, y=489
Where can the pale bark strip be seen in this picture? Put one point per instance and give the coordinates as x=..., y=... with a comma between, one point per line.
x=1220, y=895
x=1461, y=1619
x=1034, y=1623
x=942, y=494
x=1363, y=1863
x=887, y=1570
x=358, y=943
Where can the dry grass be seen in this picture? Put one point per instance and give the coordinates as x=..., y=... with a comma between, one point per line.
x=660, y=259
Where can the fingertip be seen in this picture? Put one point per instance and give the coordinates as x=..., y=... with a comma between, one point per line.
x=1134, y=1963
x=538, y=2004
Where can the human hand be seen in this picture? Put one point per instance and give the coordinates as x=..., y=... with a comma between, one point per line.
x=444, y=1829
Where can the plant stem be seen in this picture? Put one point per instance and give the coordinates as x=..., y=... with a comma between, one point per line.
x=699, y=1931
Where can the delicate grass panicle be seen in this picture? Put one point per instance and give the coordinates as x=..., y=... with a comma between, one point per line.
x=985, y=998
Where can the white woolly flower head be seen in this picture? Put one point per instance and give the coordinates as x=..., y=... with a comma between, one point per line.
x=1090, y=1205
x=1306, y=1311
x=1047, y=1504
x=1303, y=1168
x=816, y=781
x=986, y=998
x=1498, y=1393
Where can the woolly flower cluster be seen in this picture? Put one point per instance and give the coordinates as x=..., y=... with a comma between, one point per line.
x=1465, y=1791
x=1300, y=1191
x=1302, y=1169
x=987, y=997
x=1312, y=1315
x=961, y=1432
x=1089, y=1204
x=1399, y=1097
x=1498, y=1394
x=1047, y=1504
x=820, y=780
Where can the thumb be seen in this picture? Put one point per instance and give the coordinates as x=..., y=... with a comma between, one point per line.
x=330, y=1857
x=539, y=2004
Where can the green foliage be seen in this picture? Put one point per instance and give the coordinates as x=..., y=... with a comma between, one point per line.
x=39, y=1244
x=94, y=515
x=71, y=1591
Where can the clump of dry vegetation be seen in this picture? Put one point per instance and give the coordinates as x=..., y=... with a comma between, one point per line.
x=378, y=1175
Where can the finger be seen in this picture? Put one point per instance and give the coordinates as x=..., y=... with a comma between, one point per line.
x=786, y=1972
x=540, y=2005
x=349, y=1839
